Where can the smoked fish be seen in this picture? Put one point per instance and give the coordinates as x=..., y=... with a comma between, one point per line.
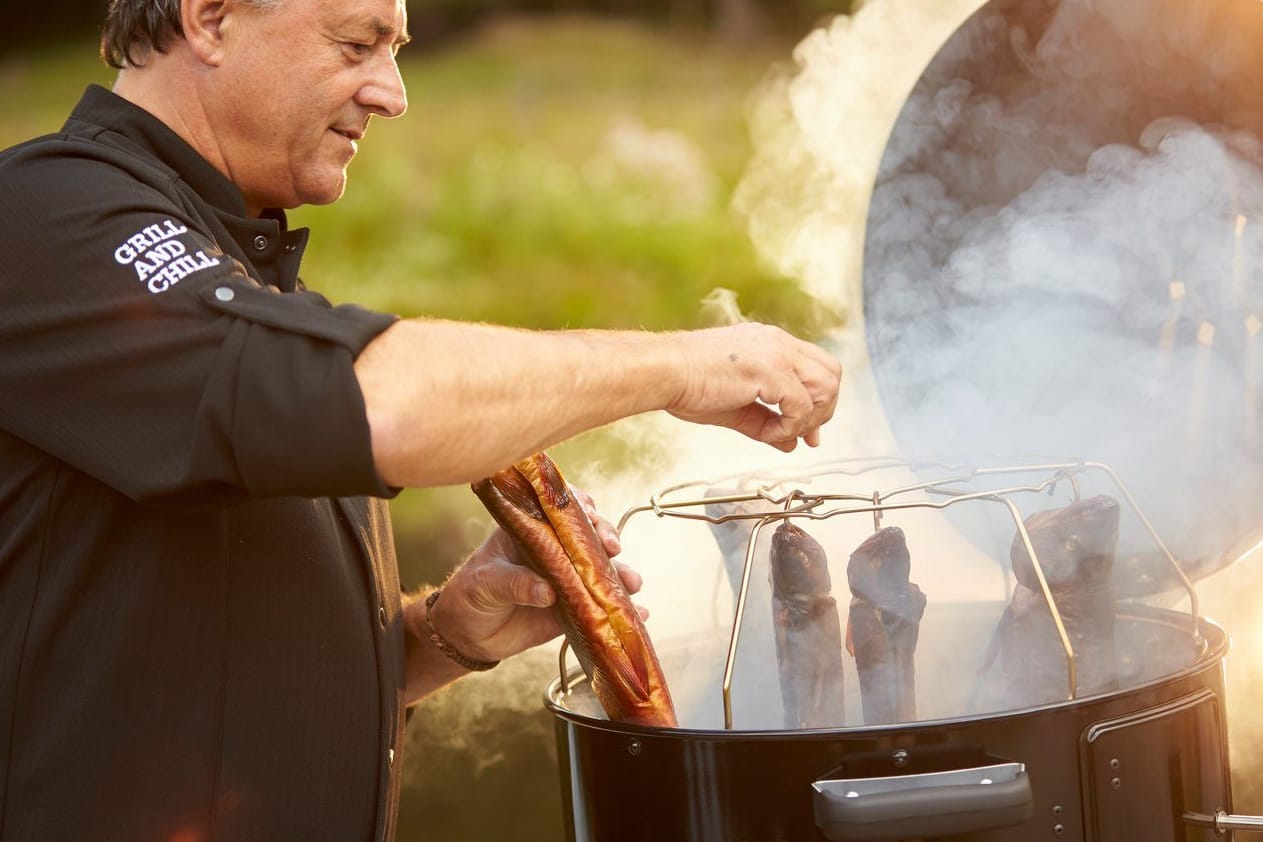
x=807, y=630
x=883, y=625
x=532, y=502
x=1076, y=545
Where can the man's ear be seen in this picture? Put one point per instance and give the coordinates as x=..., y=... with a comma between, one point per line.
x=203, y=27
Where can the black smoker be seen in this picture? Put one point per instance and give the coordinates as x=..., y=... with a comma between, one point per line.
x=1146, y=762
x=1027, y=96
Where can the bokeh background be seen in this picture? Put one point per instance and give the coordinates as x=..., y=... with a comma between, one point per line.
x=563, y=164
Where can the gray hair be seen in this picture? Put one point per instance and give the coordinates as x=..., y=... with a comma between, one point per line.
x=134, y=29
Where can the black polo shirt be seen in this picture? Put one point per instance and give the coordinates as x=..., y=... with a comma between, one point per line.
x=200, y=634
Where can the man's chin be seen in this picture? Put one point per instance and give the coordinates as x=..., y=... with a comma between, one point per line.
x=325, y=193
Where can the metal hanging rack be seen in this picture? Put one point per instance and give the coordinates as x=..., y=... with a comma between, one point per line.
x=789, y=494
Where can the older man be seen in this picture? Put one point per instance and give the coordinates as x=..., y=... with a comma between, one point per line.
x=201, y=630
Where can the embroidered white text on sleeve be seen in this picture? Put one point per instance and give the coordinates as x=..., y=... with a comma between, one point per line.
x=159, y=259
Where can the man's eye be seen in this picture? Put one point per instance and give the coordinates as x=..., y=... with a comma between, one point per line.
x=357, y=49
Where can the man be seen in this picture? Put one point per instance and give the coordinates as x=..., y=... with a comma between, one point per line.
x=201, y=631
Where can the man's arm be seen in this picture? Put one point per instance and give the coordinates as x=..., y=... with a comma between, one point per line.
x=450, y=402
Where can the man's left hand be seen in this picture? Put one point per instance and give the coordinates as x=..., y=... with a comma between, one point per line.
x=494, y=606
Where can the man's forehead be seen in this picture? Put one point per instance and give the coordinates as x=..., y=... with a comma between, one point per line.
x=386, y=18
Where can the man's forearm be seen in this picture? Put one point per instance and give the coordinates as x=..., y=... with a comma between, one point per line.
x=450, y=402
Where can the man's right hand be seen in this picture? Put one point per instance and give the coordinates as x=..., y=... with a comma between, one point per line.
x=758, y=380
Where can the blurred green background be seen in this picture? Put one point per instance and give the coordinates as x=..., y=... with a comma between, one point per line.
x=556, y=168
x=553, y=170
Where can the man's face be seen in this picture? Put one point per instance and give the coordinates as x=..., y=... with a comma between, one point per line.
x=294, y=92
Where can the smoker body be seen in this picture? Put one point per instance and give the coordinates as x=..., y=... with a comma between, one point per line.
x=1118, y=766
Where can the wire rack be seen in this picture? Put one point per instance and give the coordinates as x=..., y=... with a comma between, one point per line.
x=862, y=488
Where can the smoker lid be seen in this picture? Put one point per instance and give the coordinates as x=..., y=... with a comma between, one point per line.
x=1064, y=258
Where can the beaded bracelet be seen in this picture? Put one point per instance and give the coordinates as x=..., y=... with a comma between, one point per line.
x=445, y=647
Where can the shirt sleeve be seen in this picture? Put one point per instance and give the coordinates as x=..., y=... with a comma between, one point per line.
x=140, y=353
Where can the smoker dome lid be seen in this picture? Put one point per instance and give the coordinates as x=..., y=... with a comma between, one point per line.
x=1064, y=257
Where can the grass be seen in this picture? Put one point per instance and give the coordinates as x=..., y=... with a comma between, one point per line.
x=37, y=90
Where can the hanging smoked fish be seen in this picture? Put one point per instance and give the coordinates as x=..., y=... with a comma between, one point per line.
x=883, y=626
x=807, y=630
x=1075, y=545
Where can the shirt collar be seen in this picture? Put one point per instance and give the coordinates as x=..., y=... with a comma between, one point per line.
x=104, y=108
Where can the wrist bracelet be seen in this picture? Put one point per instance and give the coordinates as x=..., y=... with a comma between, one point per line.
x=445, y=647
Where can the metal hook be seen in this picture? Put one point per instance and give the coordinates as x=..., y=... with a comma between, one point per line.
x=1076, y=494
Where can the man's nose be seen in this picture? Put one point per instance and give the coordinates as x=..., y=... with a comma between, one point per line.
x=384, y=93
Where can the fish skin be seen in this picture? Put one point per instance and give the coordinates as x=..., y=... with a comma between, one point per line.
x=807, y=630
x=1076, y=545
x=883, y=626
x=733, y=536
x=753, y=706
x=532, y=502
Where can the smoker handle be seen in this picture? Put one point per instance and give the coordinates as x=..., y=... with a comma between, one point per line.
x=931, y=804
x=1222, y=822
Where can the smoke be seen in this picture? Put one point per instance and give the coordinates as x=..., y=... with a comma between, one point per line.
x=1049, y=216
x=1052, y=233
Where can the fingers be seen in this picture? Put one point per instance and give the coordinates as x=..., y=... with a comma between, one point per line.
x=494, y=578
x=605, y=530
x=762, y=382
x=798, y=395
x=797, y=415
x=632, y=580
x=810, y=394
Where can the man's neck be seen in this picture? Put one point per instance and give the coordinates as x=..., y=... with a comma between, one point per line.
x=166, y=88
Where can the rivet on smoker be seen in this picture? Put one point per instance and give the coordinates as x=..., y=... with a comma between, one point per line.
x=1116, y=783
x=260, y=242
x=634, y=748
x=1114, y=764
x=900, y=757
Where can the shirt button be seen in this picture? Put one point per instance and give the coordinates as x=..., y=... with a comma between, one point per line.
x=381, y=615
x=225, y=293
x=260, y=242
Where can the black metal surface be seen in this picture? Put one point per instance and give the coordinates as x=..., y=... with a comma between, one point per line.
x=1164, y=742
